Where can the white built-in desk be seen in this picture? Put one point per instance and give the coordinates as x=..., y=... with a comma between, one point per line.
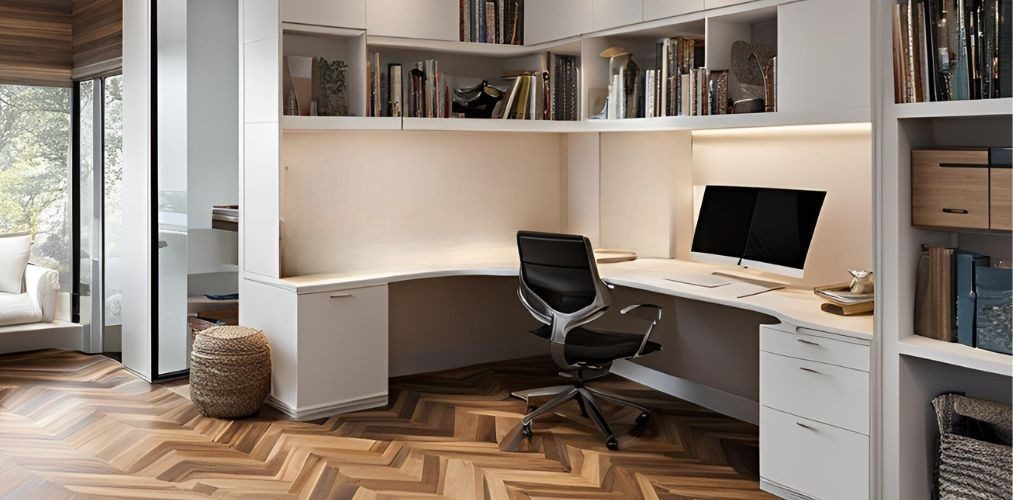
x=303, y=315
x=330, y=353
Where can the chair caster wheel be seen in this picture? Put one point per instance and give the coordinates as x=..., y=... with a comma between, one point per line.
x=612, y=444
x=526, y=429
x=641, y=425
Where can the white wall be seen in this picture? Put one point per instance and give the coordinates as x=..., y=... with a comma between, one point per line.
x=837, y=159
x=645, y=195
x=369, y=201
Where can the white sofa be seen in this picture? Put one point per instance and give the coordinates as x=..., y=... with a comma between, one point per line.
x=37, y=304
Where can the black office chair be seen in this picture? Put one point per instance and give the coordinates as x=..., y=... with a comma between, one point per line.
x=561, y=288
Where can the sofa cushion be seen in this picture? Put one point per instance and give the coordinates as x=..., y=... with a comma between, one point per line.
x=18, y=309
x=14, y=251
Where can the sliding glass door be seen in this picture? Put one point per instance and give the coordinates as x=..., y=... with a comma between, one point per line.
x=98, y=215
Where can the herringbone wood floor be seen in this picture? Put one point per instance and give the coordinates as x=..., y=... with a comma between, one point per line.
x=75, y=425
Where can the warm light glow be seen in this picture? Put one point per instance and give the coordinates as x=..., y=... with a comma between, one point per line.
x=830, y=128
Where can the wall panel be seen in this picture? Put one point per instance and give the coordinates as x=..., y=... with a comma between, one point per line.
x=370, y=201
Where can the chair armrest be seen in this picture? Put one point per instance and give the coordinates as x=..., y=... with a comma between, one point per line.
x=42, y=285
x=645, y=312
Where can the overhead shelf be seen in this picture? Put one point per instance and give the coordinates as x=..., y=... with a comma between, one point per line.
x=323, y=123
x=714, y=122
x=955, y=354
x=954, y=109
x=564, y=46
x=493, y=125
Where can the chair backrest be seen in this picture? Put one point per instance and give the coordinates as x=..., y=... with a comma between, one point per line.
x=559, y=268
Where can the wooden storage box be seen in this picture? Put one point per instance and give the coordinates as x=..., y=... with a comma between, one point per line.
x=950, y=188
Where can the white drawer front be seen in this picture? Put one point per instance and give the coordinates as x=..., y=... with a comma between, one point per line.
x=827, y=393
x=815, y=347
x=819, y=460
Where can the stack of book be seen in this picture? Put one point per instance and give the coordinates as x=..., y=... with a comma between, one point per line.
x=564, y=75
x=952, y=50
x=492, y=21
x=702, y=92
x=225, y=217
x=675, y=60
x=526, y=98
x=423, y=93
x=677, y=86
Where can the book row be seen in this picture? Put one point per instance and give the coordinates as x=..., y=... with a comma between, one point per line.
x=952, y=50
x=423, y=91
x=492, y=21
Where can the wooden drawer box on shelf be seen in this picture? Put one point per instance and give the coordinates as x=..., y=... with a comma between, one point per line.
x=1001, y=198
x=950, y=188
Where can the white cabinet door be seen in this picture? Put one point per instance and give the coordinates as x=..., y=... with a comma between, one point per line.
x=657, y=9
x=607, y=14
x=424, y=19
x=260, y=20
x=713, y=4
x=818, y=460
x=823, y=55
x=336, y=13
x=342, y=347
x=548, y=20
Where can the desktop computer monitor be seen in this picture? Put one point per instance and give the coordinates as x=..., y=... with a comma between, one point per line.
x=722, y=227
x=761, y=228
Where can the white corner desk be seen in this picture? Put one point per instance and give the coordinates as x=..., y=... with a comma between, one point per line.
x=814, y=366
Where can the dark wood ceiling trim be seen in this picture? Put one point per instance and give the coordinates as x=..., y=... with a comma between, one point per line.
x=36, y=42
x=98, y=38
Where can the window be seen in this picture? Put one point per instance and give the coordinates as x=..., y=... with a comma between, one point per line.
x=113, y=142
x=34, y=172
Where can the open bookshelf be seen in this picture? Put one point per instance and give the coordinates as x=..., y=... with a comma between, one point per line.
x=464, y=64
x=915, y=369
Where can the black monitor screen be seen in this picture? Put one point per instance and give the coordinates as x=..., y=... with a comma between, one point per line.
x=783, y=226
x=722, y=227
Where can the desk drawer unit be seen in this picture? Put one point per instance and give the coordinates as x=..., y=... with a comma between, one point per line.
x=814, y=414
x=827, y=393
x=813, y=459
x=815, y=346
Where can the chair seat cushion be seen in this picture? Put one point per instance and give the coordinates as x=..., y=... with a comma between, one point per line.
x=584, y=345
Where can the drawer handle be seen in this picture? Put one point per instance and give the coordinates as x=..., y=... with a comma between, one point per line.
x=341, y=296
x=807, y=427
x=808, y=342
x=959, y=211
x=810, y=370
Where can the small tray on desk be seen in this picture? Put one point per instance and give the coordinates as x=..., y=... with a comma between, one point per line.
x=840, y=308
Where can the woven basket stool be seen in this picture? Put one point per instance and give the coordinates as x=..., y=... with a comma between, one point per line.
x=230, y=371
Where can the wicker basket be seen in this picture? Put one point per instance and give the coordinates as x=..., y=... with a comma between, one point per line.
x=230, y=371
x=967, y=467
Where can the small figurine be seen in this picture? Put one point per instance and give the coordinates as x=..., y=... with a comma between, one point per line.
x=861, y=281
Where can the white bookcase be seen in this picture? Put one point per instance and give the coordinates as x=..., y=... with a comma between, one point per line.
x=824, y=78
x=914, y=369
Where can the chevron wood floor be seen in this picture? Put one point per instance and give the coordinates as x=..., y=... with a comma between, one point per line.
x=80, y=426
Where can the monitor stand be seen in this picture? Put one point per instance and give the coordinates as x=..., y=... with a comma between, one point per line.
x=753, y=277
